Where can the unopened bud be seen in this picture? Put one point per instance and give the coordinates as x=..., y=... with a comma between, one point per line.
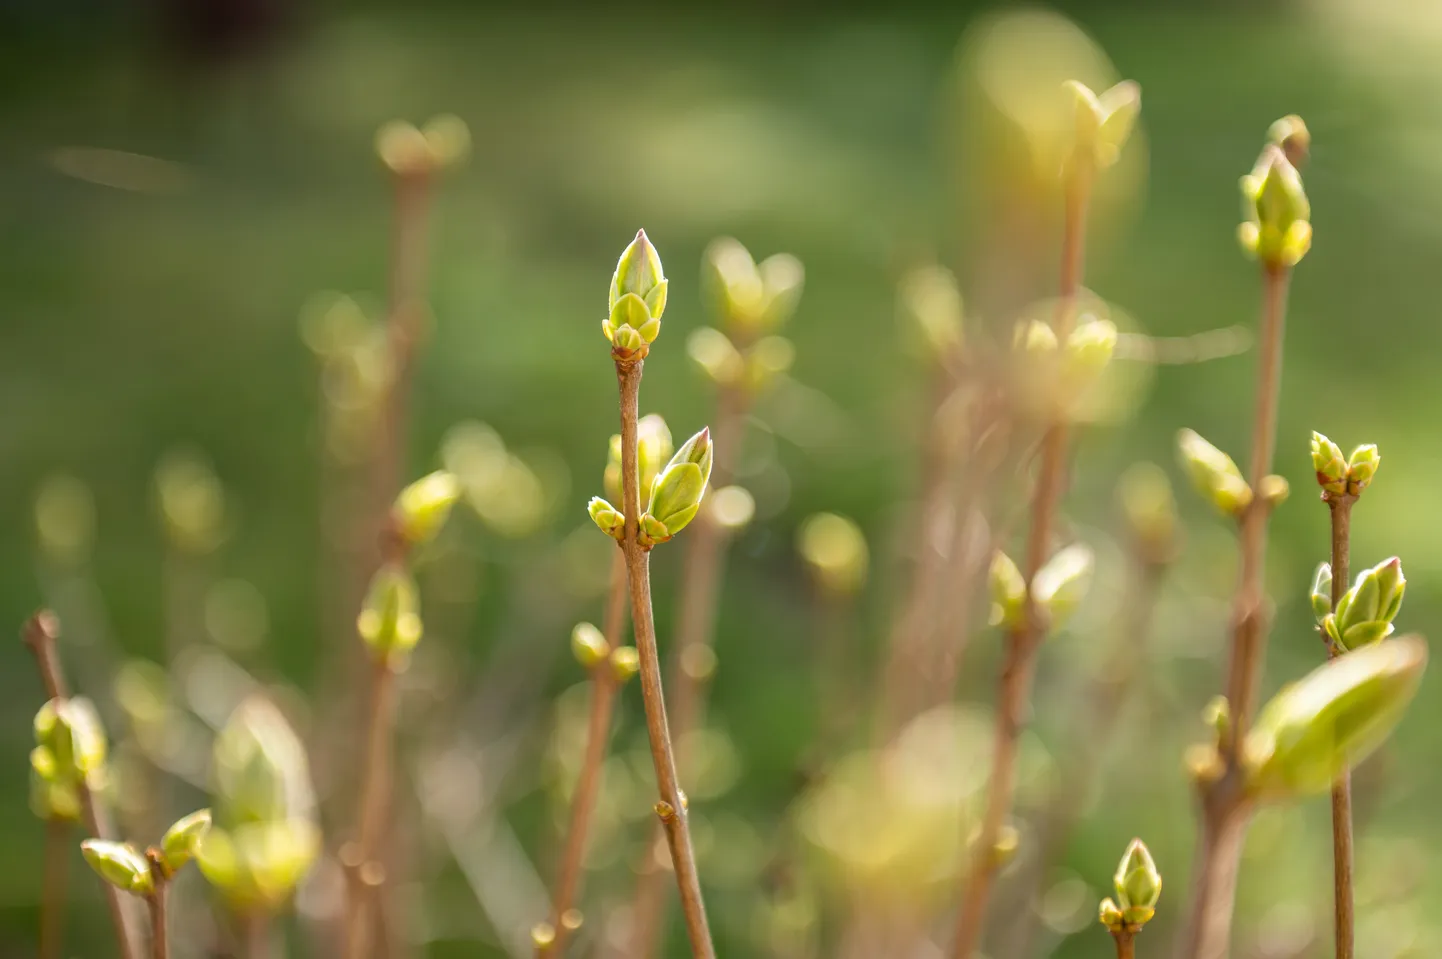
x=1060, y=585
x=119, y=864
x=424, y=506
x=1321, y=593
x=448, y=139
x=1361, y=467
x=1217, y=714
x=1278, y=230
x=1103, y=122
x=1087, y=352
x=1329, y=464
x=1109, y=915
x=178, y=845
x=1365, y=612
x=390, y=619
x=1213, y=474
x=653, y=449
x=403, y=148
x=589, y=646
x=717, y=356
x=1274, y=490
x=677, y=493
x=606, y=517
x=751, y=298
x=637, y=299
x=625, y=662
x=1138, y=884
x=1292, y=135
x=768, y=360
x=1323, y=725
x=1008, y=591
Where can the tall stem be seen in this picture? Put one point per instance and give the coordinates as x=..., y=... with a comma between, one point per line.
x=1342, y=868
x=159, y=937
x=52, y=905
x=1224, y=814
x=671, y=808
x=41, y=633
x=1025, y=639
x=1126, y=943
x=368, y=872
x=604, y=686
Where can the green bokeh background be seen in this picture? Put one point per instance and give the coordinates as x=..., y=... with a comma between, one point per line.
x=131, y=322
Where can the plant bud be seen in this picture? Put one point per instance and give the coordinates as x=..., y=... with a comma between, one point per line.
x=390, y=619
x=625, y=662
x=835, y=549
x=448, y=139
x=1060, y=584
x=606, y=517
x=1146, y=499
x=1328, y=462
x=748, y=298
x=178, y=845
x=589, y=646
x=1087, y=352
x=1321, y=726
x=1109, y=915
x=1277, y=230
x=1361, y=467
x=769, y=359
x=119, y=864
x=403, y=149
x=677, y=493
x=653, y=449
x=69, y=755
x=930, y=304
x=782, y=279
x=1103, y=123
x=717, y=356
x=258, y=865
x=1008, y=591
x=1213, y=474
x=1292, y=135
x=637, y=299
x=1322, y=591
x=424, y=506
x=1274, y=490
x=1365, y=612
x=1217, y=714
x=1138, y=884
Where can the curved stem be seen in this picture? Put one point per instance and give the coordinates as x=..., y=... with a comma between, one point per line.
x=671, y=809
x=1024, y=640
x=604, y=687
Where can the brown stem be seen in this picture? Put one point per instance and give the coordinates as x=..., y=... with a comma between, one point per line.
x=604, y=686
x=1105, y=695
x=1207, y=932
x=1025, y=639
x=1342, y=868
x=1126, y=943
x=367, y=869
x=671, y=809
x=255, y=936
x=52, y=905
x=156, y=902
x=41, y=632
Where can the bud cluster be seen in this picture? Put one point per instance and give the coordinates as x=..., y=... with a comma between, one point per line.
x=1278, y=229
x=1056, y=590
x=69, y=756
x=1103, y=122
x=1365, y=612
x=1138, y=886
x=592, y=649
x=637, y=300
x=1340, y=476
x=142, y=873
x=675, y=495
x=751, y=302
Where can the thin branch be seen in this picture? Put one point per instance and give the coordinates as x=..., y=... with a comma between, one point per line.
x=156, y=903
x=1224, y=814
x=1126, y=943
x=604, y=687
x=41, y=633
x=671, y=809
x=367, y=872
x=1342, y=865
x=52, y=905
x=1024, y=640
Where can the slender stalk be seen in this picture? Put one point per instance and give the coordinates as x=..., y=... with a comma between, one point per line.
x=255, y=936
x=368, y=873
x=52, y=905
x=1207, y=932
x=1024, y=640
x=604, y=686
x=1342, y=868
x=156, y=903
x=1126, y=943
x=671, y=809
x=41, y=633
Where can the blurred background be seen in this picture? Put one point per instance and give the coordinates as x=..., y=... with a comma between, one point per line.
x=186, y=191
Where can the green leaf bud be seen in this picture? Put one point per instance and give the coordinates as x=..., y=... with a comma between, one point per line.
x=1087, y=352
x=70, y=742
x=1327, y=460
x=1103, y=123
x=654, y=531
x=606, y=517
x=424, y=506
x=1277, y=230
x=1321, y=594
x=1060, y=585
x=259, y=768
x=1365, y=612
x=782, y=279
x=1147, y=503
x=930, y=304
x=258, y=865
x=1274, y=490
x=448, y=139
x=1319, y=727
x=677, y=492
x=1109, y=915
x=625, y=662
x=178, y=845
x=1008, y=591
x=750, y=298
x=1138, y=884
x=1217, y=714
x=1361, y=467
x=653, y=449
x=404, y=149
x=589, y=646
x=835, y=550
x=1292, y=135
x=769, y=359
x=639, y=273
x=119, y=864
x=717, y=356
x=390, y=618
x=1213, y=474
